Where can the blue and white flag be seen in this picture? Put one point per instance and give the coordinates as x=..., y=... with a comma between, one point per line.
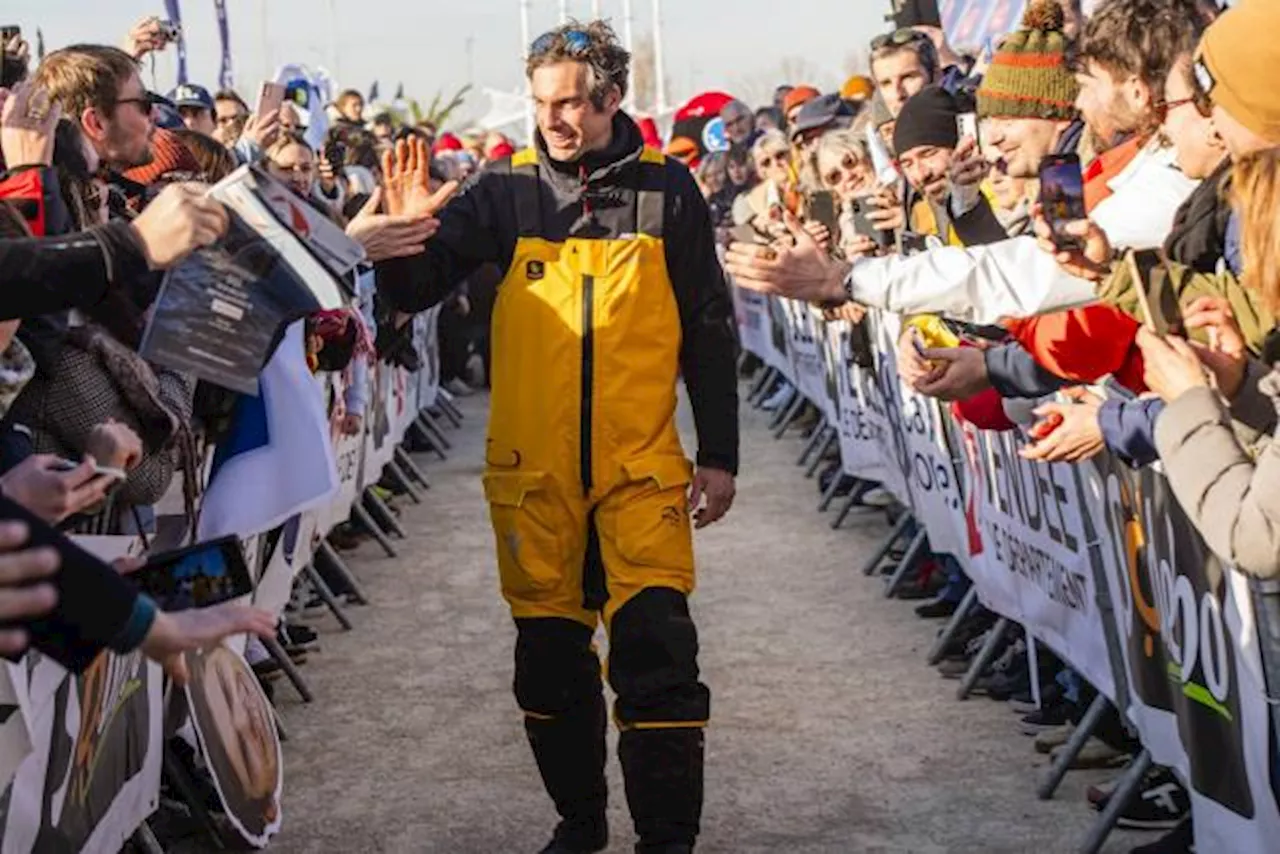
x=226, y=78
x=278, y=460
x=175, y=15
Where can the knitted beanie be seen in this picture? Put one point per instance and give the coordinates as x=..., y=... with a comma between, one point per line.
x=170, y=158
x=1237, y=56
x=928, y=118
x=1028, y=77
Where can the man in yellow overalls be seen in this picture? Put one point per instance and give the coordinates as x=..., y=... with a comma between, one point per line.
x=612, y=291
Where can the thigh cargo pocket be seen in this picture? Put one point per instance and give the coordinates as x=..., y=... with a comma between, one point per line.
x=653, y=527
x=531, y=529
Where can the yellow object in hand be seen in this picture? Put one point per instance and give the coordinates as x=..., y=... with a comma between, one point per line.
x=934, y=333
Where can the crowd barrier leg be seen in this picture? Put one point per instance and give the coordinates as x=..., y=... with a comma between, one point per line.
x=1069, y=751
x=918, y=544
x=966, y=605
x=822, y=452
x=787, y=415
x=330, y=601
x=983, y=658
x=818, y=434
x=434, y=426
x=762, y=381
x=334, y=563
x=1129, y=785
x=384, y=515
x=281, y=732
x=177, y=776
x=450, y=409
x=852, y=501
x=362, y=516
x=830, y=494
x=1266, y=608
x=411, y=468
x=428, y=437
x=883, y=549
x=145, y=839
x=398, y=475
x=291, y=671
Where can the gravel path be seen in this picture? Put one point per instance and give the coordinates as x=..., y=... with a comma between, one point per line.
x=830, y=734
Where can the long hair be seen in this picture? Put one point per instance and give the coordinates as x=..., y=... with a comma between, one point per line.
x=1255, y=189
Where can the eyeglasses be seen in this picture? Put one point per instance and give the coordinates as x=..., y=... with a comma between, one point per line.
x=897, y=38
x=1169, y=106
x=778, y=159
x=144, y=103
x=297, y=168
x=835, y=176
x=230, y=120
x=576, y=42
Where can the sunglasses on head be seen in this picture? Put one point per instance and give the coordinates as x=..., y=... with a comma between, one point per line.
x=897, y=38
x=576, y=42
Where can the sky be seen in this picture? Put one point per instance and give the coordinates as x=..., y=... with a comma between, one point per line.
x=740, y=46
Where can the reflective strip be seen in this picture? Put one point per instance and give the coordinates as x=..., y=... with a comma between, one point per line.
x=537, y=717
x=663, y=725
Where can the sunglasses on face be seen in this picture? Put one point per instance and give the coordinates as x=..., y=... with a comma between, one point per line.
x=835, y=176
x=576, y=42
x=778, y=159
x=897, y=38
x=144, y=103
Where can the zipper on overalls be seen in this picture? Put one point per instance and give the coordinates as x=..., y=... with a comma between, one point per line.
x=588, y=357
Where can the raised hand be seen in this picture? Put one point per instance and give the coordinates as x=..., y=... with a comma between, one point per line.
x=407, y=174
x=178, y=221
x=386, y=236
x=27, y=123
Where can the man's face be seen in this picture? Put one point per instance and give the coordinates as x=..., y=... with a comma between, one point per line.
x=1111, y=107
x=771, y=165
x=898, y=76
x=126, y=142
x=738, y=127
x=926, y=168
x=1020, y=143
x=765, y=122
x=229, y=118
x=353, y=109
x=198, y=119
x=1197, y=144
x=382, y=130
x=570, y=124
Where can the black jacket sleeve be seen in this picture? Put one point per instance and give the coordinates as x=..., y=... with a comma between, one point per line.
x=1014, y=372
x=709, y=349
x=470, y=235
x=95, y=604
x=42, y=276
x=979, y=226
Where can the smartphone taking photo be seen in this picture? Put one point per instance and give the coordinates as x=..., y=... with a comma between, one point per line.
x=270, y=99
x=196, y=577
x=967, y=126
x=1062, y=197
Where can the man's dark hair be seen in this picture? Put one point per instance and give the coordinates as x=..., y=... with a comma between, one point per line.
x=922, y=47
x=231, y=95
x=347, y=96
x=608, y=63
x=1143, y=38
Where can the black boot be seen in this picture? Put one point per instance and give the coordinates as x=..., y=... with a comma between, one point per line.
x=662, y=769
x=570, y=752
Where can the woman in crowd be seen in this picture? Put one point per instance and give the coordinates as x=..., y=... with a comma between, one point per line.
x=291, y=161
x=844, y=167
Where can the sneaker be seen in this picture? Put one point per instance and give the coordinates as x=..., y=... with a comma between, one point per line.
x=1180, y=840
x=459, y=388
x=1050, y=717
x=298, y=636
x=954, y=668
x=268, y=669
x=1161, y=804
x=937, y=609
x=1099, y=793
x=1096, y=753
x=1051, y=739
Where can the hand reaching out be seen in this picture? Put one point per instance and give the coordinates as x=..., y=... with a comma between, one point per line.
x=407, y=173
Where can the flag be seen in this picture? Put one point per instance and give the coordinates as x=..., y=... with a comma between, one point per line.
x=373, y=93
x=175, y=15
x=39, y=45
x=278, y=460
x=226, y=79
x=399, y=92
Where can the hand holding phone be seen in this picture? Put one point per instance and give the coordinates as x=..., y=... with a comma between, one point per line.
x=196, y=577
x=270, y=99
x=1062, y=197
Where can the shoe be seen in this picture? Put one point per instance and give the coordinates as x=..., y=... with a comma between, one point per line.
x=953, y=668
x=937, y=609
x=1050, y=740
x=296, y=634
x=458, y=388
x=267, y=669
x=1161, y=804
x=1046, y=718
x=780, y=398
x=1180, y=840
x=346, y=538
x=1099, y=793
x=1095, y=754
x=914, y=593
x=1023, y=703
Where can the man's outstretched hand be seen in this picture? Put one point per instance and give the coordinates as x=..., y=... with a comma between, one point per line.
x=717, y=488
x=804, y=271
x=407, y=173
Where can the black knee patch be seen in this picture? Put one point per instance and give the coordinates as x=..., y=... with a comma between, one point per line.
x=653, y=660
x=556, y=668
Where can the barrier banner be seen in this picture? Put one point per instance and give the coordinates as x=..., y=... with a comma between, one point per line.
x=805, y=351
x=778, y=357
x=1190, y=649
x=855, y=430
x=753, y=321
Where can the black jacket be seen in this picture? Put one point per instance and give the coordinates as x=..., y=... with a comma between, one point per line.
x=479, y=226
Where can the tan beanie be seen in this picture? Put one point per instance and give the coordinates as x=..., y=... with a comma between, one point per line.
x=1237, y=60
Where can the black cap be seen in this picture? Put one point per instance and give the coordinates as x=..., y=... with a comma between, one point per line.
x=916, y=13
x=823, y=111
x=928, y=118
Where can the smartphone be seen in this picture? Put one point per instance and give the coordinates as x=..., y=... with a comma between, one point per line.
x=1062, y=196
x=822, y=208
x=270, y=99
x=12, y=70
x=747, y=234
x=967, y=126
x=197, y=576
x=101, y=471
x=863, y=225
x=336, y=153
x=9, y=32
x=914, y=243
x=1157, y=299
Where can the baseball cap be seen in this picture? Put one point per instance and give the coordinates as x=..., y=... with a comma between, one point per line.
x=823, y=111
x=191, y=95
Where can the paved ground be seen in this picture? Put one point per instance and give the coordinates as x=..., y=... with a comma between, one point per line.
x=830, y=734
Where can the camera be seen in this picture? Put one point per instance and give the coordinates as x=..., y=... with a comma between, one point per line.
x=171, y=31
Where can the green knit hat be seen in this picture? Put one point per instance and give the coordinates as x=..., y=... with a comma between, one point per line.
x=1028, y=77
